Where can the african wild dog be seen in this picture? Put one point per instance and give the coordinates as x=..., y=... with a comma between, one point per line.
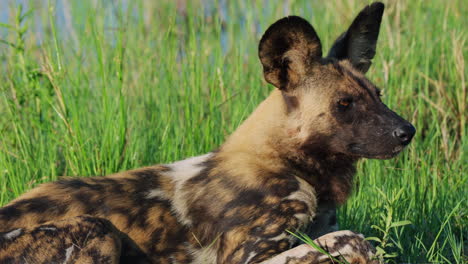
x=290, y=161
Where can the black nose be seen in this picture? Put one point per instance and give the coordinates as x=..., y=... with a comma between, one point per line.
x=404, y=133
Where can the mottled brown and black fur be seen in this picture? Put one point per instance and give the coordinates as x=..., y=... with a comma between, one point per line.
x=284, y=169
x=82, y=239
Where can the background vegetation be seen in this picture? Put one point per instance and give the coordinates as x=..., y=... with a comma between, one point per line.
x=95, y=87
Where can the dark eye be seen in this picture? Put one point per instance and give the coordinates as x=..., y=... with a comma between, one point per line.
x=345, y=103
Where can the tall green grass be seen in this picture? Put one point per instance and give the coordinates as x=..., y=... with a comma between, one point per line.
x=97, y=87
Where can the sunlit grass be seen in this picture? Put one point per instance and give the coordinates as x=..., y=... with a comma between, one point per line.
x=105, y=88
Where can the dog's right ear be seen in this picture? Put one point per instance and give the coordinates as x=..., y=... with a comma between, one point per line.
x=287, y=50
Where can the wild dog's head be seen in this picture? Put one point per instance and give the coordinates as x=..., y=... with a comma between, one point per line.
x=332, y=107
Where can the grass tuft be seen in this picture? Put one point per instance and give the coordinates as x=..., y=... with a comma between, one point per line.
x=95, y=87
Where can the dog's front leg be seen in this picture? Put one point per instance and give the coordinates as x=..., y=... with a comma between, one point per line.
x=340, y=245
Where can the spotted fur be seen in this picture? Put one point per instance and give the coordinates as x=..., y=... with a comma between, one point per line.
x=341, y=246
x=81, y=239
x=284, y=170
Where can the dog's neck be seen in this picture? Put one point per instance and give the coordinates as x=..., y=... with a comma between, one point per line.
x=265, y=142
x=260, y=133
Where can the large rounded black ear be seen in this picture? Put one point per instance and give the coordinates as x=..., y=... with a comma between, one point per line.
x=287, y=50
x=358, y=43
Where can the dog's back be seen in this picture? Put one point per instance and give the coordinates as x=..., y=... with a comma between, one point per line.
x=139, y=203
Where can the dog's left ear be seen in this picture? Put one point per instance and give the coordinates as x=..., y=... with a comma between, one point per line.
x=358, y=43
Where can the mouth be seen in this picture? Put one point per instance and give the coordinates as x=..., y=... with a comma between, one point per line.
x=361, y=151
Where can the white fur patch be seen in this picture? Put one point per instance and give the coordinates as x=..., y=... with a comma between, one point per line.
x=251, y=255
x=156, y=193
x=205, y=255
x=304, y=194
x=48, y=228
x=182, y=171
x=13, y=234
x=345, y=251
x=68, y=253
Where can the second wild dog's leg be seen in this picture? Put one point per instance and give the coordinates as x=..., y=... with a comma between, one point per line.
x=341, y=245
x=80, y=239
